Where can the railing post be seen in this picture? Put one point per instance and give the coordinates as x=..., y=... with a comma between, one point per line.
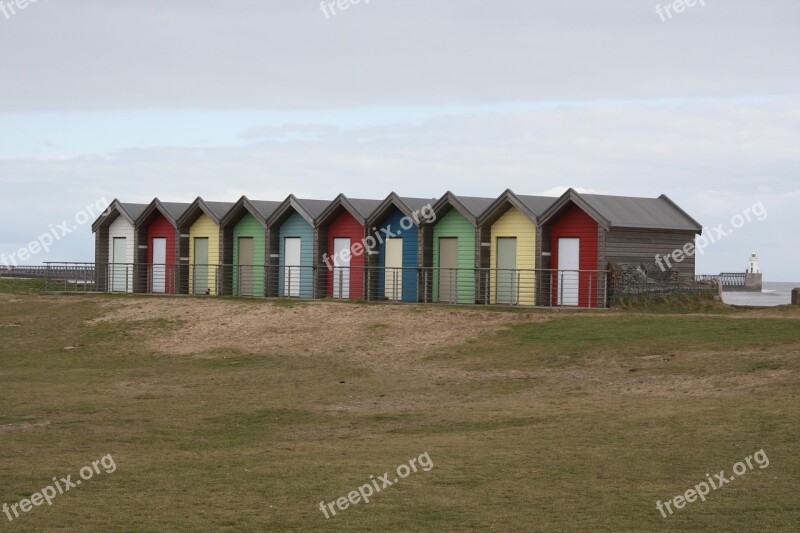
x=590, y=290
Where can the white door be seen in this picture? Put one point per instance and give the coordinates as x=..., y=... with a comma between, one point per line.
x=341, y=268
x=119, y=277
x=291, y=266
x=393, y=289
x=569, y=251
x=159, y=280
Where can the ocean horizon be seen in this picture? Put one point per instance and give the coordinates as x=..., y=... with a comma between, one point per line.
x=773, y=293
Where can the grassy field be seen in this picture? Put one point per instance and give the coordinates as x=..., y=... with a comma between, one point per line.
x=244, y=415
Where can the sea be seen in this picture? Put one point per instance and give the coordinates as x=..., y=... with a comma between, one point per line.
x=772, y=294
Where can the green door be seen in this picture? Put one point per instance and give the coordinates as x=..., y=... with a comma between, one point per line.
x=506, y=289
x=201, y=285
x=448, y=269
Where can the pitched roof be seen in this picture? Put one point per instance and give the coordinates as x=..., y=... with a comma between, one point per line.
x=134, y=210
x=471, y=207
x=365, y=207
x=265, y=207
x=215, y=210
x=628, y=212
x=531, y=206
x=175, y=209
x=537, y=204
x=313, y=207
x=131, y=212
x=219, y=209
x=415, y=204
x=475, y=205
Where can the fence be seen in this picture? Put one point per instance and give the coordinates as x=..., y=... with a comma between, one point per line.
x=64, y=277
x=513, y=287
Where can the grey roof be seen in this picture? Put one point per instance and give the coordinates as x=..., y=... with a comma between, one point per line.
x=641, y=213
x=134, y=210
x=314, y=207
x=220, y=209
x=175, y=209
x=365, y=207
x=475, y=205
x=415, y=204
x=266, y=208
x=537, y=204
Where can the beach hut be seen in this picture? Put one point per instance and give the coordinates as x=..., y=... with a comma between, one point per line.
x=342, y=226
x=199, y=229
x=587, y=232
x=509, y=236
x=293, y=246
x=394, y=266
x=157, y=249
x=115, y=242
x=450, y=248
x=244, y=247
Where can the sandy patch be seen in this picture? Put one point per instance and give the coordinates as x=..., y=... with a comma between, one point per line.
x=376, y=333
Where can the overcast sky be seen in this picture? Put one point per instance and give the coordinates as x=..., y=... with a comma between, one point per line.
x=133, y=99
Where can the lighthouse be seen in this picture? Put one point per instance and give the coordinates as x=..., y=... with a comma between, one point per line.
x=753, y=269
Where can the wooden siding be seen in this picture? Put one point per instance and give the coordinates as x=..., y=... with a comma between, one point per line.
x=121, y=228
x=639, y=246
x=574, y=222
x=514, y=224
x=453, y=224
x=161, y=228
x=249, y=226
x=205, y=227
x=296, y=226
x=345, y=226
x=410, y=255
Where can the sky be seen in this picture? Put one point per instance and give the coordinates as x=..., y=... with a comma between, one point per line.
x=141, y=99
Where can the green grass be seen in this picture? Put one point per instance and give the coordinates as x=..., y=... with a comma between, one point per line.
x=20, y=286
x=562, y=422
x=672, y=303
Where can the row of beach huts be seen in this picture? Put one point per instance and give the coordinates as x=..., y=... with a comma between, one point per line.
x=514, y=249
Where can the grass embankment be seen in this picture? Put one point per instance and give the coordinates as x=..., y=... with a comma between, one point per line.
x=229, y=415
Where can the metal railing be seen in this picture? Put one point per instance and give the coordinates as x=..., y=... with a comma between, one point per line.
x=510, y=287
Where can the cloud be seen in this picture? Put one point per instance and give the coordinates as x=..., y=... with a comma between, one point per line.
x=714, y=159
x=86, y=55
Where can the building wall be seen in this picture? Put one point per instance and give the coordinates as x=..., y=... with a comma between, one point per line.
x=514, y=224
x=342, y=227
x=204, y=227
x=121, y=228
x=249, y=226
x=639, y=246
x=574, y=222
x=296, y=226
x=410, y=256
x=453, y=224
x=162, y=228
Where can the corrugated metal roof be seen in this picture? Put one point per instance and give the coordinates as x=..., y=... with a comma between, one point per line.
x=639, y=213
x=475, y=205
x=365, y=207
